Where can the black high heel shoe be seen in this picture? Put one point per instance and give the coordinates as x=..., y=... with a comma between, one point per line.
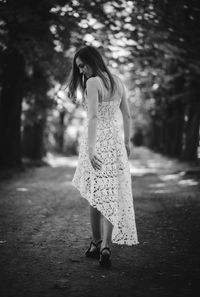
x=105, y=260
x=95, y=252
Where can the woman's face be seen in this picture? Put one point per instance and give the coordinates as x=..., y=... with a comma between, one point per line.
x=84, y=69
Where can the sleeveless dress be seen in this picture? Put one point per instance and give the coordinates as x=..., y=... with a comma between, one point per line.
x=108, y=189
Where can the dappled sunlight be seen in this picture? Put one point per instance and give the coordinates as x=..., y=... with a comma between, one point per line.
x=160, y=175
x=22, y=189
x=137, y=170
x=168, y=177
x=161, y=191
x=180, y=180
x=142, y=167
x=158, y=185
x=2, y=241
x=158, y=164
x=188, y=182
x=159, y=188
x=59, y=161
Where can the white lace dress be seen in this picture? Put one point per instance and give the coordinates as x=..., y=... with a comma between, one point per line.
x=109, y=189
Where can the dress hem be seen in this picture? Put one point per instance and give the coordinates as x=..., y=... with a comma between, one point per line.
x=100, y=210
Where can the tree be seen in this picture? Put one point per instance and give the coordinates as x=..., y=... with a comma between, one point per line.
x=160, y=41
x=34, y=35
x=24, y=30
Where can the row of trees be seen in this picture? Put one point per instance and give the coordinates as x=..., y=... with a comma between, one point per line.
x=35, y=39
x=155, y=45
x=163, y=53
x=177, y=98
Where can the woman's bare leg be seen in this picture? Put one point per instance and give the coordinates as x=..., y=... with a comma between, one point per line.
x=107, y=229
x=95, y=220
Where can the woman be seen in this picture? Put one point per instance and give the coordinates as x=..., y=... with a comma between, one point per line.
x=103, y=175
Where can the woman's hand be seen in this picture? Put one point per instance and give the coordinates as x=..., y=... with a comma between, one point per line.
x=95, y=161
x=128, y=148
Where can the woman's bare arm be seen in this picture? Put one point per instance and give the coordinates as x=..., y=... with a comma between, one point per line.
x=92, y=96
x=126, y=116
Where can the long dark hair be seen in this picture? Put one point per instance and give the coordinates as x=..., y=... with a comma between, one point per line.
x=90, y=56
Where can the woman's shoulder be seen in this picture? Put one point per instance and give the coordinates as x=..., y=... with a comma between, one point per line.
x=93, y=81
x=116, y=78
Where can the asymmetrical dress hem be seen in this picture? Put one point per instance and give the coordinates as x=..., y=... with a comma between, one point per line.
x=120, y=242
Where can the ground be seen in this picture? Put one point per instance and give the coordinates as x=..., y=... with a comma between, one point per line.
x=45, y=230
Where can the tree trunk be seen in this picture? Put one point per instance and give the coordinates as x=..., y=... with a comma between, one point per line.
x=33, y=140
x=156, y=134
x=61, y=130
x=173, y=139
x=178, y=135
x=191, y=143
x=10, y=110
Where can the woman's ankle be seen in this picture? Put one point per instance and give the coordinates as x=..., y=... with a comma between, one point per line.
x=96, y=241
x=105, y=244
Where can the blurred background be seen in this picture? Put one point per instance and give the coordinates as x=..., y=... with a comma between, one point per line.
x=154, y=46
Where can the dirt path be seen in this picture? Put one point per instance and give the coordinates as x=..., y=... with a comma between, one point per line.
x=44, y=232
